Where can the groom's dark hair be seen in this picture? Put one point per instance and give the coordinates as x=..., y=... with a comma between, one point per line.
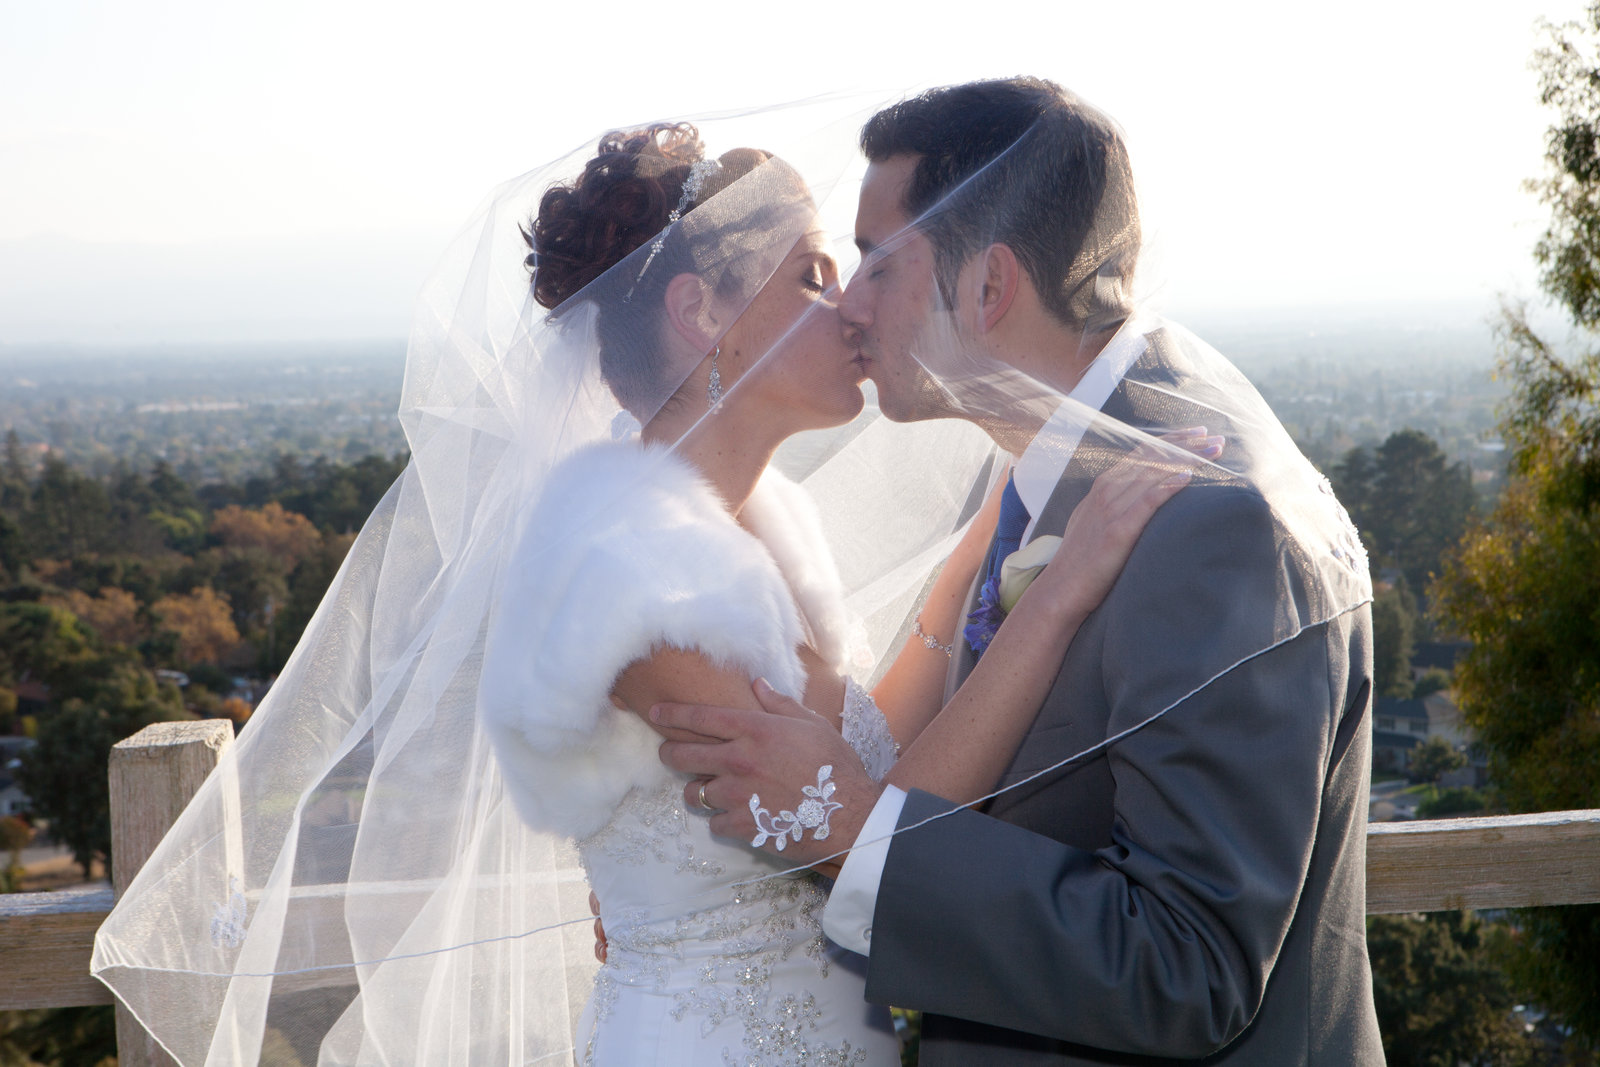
x=1022, y=162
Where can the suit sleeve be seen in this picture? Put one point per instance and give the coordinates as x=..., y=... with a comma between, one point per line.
x=1162, y=941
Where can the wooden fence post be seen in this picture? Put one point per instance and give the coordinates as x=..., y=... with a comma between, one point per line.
x=154, y=774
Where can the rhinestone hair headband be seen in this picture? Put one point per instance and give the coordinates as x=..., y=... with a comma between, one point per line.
x=692, y=185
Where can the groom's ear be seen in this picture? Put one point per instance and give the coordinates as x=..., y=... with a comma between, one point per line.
x=996, y=276
x=689, y=311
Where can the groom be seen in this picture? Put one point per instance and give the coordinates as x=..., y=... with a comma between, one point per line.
x=1196, y=889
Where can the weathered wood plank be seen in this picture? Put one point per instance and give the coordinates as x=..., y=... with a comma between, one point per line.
x=154, y=774
x=1494, y=862
x=45, y=940
x=1502, y=861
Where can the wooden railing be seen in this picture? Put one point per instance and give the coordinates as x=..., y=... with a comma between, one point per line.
x=46, y=938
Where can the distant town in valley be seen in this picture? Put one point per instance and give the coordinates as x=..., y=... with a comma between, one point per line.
x=220, y=413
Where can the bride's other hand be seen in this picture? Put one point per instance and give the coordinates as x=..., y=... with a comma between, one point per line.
x=600, y=945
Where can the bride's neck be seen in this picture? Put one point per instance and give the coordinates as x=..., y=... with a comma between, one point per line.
x=728, y=447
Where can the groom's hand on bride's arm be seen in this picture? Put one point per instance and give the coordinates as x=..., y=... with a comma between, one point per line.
x=774, y=755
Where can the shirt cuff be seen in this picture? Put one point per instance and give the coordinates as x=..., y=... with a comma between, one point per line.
x=847, y=918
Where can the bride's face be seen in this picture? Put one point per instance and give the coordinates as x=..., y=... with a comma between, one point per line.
x=787, y=350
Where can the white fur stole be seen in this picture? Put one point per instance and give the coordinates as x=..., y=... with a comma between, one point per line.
x=626, y=550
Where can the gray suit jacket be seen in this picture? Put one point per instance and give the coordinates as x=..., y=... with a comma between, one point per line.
x=1195, y=891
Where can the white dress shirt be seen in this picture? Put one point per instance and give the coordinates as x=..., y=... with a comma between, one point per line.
x=847, y=917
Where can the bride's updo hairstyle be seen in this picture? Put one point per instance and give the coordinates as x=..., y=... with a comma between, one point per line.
x=616, y=209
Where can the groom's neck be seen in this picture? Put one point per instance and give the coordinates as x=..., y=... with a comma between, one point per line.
x=1052, y=354
x=1049, y=359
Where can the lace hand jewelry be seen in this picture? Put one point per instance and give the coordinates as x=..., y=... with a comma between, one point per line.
x=812, y=814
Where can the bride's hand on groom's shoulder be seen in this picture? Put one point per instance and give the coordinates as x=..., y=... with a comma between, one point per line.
x=782, y=779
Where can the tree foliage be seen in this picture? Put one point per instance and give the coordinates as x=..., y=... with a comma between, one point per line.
x=284, y=535
x=104, y=580
x=42, y=643
x=1569, y=251
x=59, y=1037
x=1442, y=995
x=1434, y=758
x=1444, y=803
x=1409, y=501
x=202, y=620
x=1524, y=585
x=1394, y=626
x=113, y=613
x=65, y=773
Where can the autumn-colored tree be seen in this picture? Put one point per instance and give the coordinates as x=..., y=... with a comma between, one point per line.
x=203, y=623
x=113, y=614
x=287, y=536
x=238, y=710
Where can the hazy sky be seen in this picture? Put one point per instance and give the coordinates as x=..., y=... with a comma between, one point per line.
x=184, y=169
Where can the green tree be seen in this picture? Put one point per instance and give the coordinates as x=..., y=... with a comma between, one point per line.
x=41, y=642
x=1442, y=995
x=1523, y=585
x=65, y=773
x=1394, y=625
x=70, y=512
x=59, y=1037
x=1435, y=758
x=13, y=474
x=1408, y=499
x=14, y=837
x=307, y=586
x=1462, y=800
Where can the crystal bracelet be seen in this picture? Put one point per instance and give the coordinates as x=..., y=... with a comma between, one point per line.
x=931, y=641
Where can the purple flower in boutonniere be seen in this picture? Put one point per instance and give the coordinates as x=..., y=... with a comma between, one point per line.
x=987, y=619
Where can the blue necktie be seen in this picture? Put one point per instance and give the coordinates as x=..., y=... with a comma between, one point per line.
x=1007, y=539
x=1008, y=530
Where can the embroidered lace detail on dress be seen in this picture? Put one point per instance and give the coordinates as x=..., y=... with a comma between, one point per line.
x=864, y=726
x=758, y=927
x=651, y=827
x=229, y=921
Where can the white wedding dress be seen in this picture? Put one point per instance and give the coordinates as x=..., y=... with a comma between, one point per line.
x=715, y=956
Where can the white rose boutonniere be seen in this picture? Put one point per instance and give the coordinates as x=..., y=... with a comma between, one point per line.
x=1018, y=570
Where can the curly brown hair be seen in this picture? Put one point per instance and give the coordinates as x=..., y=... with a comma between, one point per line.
x=621, y=201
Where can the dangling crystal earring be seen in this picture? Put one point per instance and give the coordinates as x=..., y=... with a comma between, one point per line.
x=714, y=386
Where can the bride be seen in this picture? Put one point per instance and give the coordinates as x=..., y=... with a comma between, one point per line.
x=596, y=518
x=702, y=570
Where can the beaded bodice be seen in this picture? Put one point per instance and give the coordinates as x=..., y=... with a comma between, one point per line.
x=707, y=921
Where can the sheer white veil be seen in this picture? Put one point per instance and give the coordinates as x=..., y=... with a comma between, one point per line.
x=353, y=884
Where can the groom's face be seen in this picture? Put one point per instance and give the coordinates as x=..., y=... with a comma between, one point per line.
x=890, y=305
